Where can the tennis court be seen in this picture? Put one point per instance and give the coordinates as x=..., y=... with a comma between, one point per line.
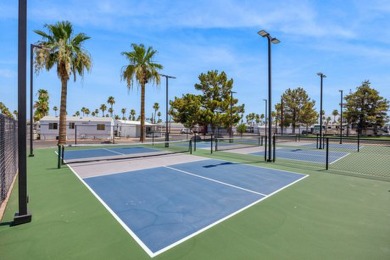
x=166, y=200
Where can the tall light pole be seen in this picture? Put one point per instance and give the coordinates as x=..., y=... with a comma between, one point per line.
x=32, y=46
x=322, y=76
x=273, y=40
x=22, y=216
x=166, y=108
x=265, y=130
x=341, y=117
x=231, y=113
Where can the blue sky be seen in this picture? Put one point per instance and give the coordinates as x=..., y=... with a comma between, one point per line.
x=349, y=41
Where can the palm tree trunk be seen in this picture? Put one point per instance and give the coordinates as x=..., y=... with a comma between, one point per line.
x=142, y=137
x=62, y=127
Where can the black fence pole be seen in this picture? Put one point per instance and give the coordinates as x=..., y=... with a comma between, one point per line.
x=358, y=142
x=190, y=148
x=195, y=142
x=265, y=148
x=317, y=142
x=211, y=150
x=59, y=157
x=273, y=148
x=62, y=154
x=75, y=134
x=327, y=153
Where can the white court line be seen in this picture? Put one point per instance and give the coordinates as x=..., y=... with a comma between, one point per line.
x=340, y=158
x=146, y=248
x=213, y=180
x=111, y=151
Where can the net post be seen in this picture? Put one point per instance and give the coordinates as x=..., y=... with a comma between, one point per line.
x=62, y=154
x=59, y=157
x=327, y=153
x=358, y=142
x=195, y=142
x=211, y=150
x=273, y=148
x=317, y=141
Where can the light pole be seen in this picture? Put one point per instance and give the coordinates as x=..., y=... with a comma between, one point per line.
x=341, y=117
x=231, y=114
x=270, y=39
x=322, y=76
x=32, y=46
x=166, y=108
x=265, y=130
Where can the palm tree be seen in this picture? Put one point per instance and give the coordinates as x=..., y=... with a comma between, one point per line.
x=156, y=107
x=96, y=112
x=64, y=49
x=143, y=69
x=87, y=111
x=83, y=109
x=334, y=114
x=55, y=108
x=103, y=108
x=123, y=113
x=77, y=113
x=41, y=105
x=111, y=101
x=159, y=115
x=110, y=110
x=132, y=113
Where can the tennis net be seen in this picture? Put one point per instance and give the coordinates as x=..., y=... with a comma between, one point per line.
x=88, y=153
x=222, y=144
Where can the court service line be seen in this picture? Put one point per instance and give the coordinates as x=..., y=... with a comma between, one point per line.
x=213, y=180
x=111, y=151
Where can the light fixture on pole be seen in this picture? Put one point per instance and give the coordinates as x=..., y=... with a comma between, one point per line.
x=273, y=40
x=166, y=108
x=322, y=76
x=341, y=117
x=231, y=114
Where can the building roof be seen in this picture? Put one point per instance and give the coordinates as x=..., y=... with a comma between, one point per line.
x=79, y=119
x=130, y=122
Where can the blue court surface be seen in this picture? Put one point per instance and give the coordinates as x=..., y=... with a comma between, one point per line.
x=164, y=206
x=105, y=152
x=314, y=156
x=347, y=146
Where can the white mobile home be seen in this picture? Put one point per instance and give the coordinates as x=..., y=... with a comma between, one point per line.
x=131, y=129
x=82, y=127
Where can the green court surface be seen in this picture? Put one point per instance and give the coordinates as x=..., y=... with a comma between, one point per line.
x=324, y=216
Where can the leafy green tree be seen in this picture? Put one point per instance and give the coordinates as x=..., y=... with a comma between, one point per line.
x=187, y=110
x=5, y=111
x=241, y=129
x=103, y=108
x=41, y=105
x=297, y=107
x=143, y=69
x=366, y=108
x=64, y=49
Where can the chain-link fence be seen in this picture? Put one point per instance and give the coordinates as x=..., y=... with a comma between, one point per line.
x=8, y=154
x=368, y=158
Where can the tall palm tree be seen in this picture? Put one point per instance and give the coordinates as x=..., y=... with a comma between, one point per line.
x=123, y=113
x=132, y=113
x=96, y=112
x=159, y=115
x=103, y=108
x=55, y=108
x=83, y=109
x=111, y=101
x=156, y=107
x=41, y=105
x=63, y=48
x=334, y=114
x=143, y=69
x=87, y=111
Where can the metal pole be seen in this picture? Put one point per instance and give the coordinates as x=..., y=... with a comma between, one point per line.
x=322, y=76
x=341, y=118
x=31, y=99
x=266, y=116
x=269, y=102
x=166, y=108
x=22, y=216
x=231, y=115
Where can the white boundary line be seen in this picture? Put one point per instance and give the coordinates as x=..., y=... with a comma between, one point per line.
x=340, y=158
x=146, y=248
x=112, y=151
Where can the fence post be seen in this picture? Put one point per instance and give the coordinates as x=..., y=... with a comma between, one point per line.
x=190, y=146
x=265, y=148
x=211, y=144
x=59, y=157
x=75, y=134
x=317, y=142
x=327, y=153
x=195, y=142
x=3, y=139
x=358, y=142
x=273, y=148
